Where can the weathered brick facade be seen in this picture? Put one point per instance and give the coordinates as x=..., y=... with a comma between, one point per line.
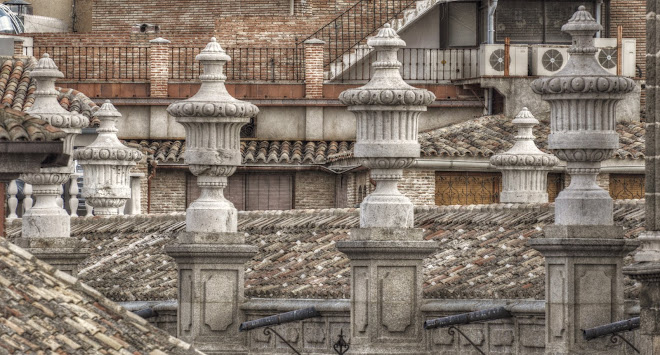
x=314, y=69
x=168, y=191
x=314, y=189
x=418, y=186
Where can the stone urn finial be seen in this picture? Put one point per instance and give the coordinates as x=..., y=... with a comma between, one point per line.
x=212, y=119
x=106, y=164
x=524, y=167
x=387, y=110
x=583, y=98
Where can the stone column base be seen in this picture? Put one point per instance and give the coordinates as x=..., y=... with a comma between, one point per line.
x=648, y=274
x=65, y=254
x=386, y=291
x=211, y=284
x=583, y=285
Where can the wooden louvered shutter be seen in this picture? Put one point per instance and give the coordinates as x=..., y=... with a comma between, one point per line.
x=627, y=186
x=341, y=191
x=555, y=185
x=235, y=191
x=192, y=190
x=269, y=191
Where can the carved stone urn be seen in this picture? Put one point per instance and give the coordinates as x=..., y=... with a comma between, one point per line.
x=106, y=164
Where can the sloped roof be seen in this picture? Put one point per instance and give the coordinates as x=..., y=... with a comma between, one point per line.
x=18, y=126
x=254, y=151
x=45, y=309
x=17, y=90
x=483, y=254
x=489, y=135
x=480, y=137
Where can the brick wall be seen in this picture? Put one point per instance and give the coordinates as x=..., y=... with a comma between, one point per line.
x=168, y=191
x=419, y=186
x=314, y=189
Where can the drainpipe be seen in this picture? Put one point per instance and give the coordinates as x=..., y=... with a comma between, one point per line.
x=599, y=14
x=151, y=170
x=492, y=6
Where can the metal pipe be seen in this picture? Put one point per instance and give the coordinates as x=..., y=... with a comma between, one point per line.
x=466, y=318
x=599, y=16
x=492, y=6
x=146, y=313
x=620, y=326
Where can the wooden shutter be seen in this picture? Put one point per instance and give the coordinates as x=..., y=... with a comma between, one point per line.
x=269, y=192
x=341, y=191
x=467, y=188
x=192, y=190
x=627, y=186
x=555, y=185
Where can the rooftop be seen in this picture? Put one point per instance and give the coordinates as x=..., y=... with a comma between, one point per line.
x=18, y=126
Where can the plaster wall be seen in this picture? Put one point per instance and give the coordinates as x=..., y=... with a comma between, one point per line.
x=281, y=123
x=424, y=33
x=58, y=9
x=518, y=94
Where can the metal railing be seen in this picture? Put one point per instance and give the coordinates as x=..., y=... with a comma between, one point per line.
x=130, y=63
x=355, y=24
x=418, y=64
x=247, y=64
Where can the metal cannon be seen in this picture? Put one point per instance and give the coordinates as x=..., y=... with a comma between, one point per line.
x=299, y=314
x=613, y=330
x=466, y=318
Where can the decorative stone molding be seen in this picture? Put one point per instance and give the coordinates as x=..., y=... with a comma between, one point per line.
x=387, y=110
x=107, y=164
x=583, y=97
x=210, y=254
x=524, y=167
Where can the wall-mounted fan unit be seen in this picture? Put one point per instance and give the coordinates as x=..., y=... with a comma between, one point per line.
x=491, y=60
x=548, y=60
x=607, y=55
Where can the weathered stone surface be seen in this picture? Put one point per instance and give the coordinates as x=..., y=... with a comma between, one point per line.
x=524, y=167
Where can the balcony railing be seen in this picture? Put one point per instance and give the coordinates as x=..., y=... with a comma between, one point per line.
x=247, y=64
x=418, y=65
x=129, y=63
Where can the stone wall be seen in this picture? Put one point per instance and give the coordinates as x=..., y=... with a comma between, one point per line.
x=418, y=186
x=314, y=189
x=168, y=190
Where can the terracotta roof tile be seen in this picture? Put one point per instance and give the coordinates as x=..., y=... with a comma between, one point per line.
x=481, y=137
x=484, y=251
x=17, y=90
x=43, y=308
x=19, y=126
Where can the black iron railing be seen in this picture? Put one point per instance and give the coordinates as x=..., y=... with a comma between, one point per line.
x=418, y=64
x=247, y=64
x=354, y=25
x=130, y=63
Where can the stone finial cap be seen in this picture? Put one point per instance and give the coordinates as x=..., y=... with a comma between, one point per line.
x=160, y=40
x=386, y=37
x=582, y=21
x=525, y=117
x=213, y=52
x=107, y=110
x=46, y=68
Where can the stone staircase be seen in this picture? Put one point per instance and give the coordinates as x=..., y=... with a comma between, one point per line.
x=360, y=53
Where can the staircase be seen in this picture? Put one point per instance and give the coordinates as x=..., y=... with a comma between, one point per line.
x=346, y=36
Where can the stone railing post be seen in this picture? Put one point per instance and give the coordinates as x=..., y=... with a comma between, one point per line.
x=46, y=226
x=386, y=252
x=12, y=201
x=314, y=68
x=107, y=163
x=210, y=254
x=646, y=268
x=73, y=195
x=583, y=250
x=159, y=61
x=524, y=167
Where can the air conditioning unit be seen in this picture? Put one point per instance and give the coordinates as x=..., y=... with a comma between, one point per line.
x=491, y=60
x=607, y=55
x=548, y=60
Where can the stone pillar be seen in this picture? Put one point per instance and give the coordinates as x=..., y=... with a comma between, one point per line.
x=159, y=61
x=583, y=250
x=134, y=204
x=524, y=167
x=646, y=268
x=386, y=252
x=314, y=68
x=46, y=226
x=210, y=254
x=107, y=164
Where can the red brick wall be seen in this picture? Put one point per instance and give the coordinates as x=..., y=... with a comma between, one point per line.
x=314, y=189
x=168, y=191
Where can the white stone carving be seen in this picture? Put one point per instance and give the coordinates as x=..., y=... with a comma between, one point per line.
x=524, y=167
x=107, y=163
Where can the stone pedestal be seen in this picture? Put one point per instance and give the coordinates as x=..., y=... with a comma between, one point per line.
x=386, y=290
x=211, y=279
x=583, y=285
x=210, y=254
